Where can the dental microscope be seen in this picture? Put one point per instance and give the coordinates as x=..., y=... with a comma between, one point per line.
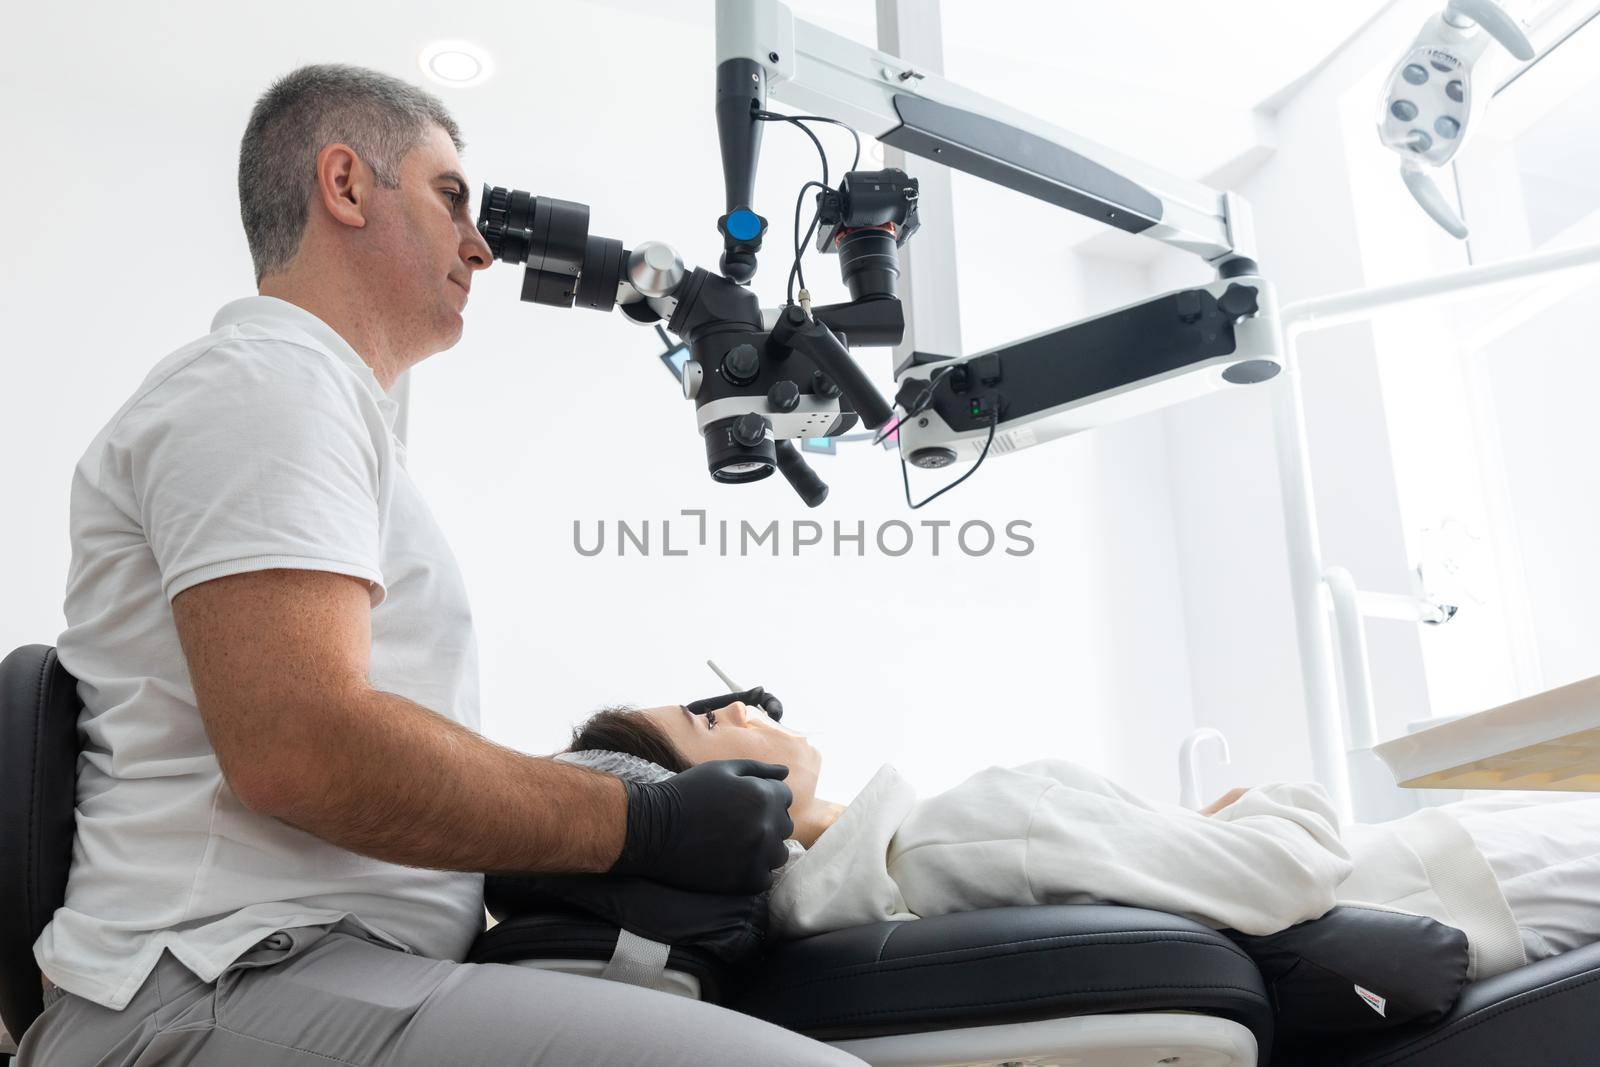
x=760, y=378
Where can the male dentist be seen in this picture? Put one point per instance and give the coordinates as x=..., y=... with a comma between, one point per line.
x=284, y=808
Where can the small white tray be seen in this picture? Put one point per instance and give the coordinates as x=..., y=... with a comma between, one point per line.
x=1550, y=740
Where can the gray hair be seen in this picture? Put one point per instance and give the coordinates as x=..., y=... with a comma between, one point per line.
x=379, y=116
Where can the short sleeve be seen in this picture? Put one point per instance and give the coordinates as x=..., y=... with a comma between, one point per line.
x=258, y=455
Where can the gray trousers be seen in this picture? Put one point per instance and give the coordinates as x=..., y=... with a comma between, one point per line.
x=326, y=996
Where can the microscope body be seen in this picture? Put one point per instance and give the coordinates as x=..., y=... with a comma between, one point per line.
x=756, y=384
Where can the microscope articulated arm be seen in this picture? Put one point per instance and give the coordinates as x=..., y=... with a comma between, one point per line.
x=925, y=115
x=1135, y=359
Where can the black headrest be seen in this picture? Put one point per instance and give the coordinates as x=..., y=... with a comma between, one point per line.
x=730, y=928
x=38, y=782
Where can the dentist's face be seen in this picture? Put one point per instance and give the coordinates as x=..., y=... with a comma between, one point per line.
x=739, y=731
x=422, y=246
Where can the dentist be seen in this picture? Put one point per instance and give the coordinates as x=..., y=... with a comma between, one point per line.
x=284, y=806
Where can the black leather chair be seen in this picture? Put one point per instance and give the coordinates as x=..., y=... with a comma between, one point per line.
x=38, y=777
x=947, y=984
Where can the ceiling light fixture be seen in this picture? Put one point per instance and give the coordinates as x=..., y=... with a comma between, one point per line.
x=458, y=64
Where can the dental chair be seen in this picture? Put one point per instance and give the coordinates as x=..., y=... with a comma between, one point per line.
x=1083, y=984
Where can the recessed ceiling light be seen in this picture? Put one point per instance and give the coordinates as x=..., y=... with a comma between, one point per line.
x=457, y=64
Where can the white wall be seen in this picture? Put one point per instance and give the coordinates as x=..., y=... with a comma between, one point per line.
x=1545, y=378
x=1530, y=185
x=1228, y=507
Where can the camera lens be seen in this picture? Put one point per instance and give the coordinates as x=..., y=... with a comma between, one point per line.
x=869, y=262
x=731, y=460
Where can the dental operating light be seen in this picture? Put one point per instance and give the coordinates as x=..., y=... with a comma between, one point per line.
x=1430, y=102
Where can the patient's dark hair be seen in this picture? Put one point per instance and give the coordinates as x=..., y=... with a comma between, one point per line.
x=625, y=729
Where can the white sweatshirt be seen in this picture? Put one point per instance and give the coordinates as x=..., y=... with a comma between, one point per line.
x=1052, y=832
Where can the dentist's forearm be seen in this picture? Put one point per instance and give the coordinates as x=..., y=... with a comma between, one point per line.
x=390, y=779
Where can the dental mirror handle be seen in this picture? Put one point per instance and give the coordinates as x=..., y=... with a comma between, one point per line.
x=729, y=682
x=1427, y=193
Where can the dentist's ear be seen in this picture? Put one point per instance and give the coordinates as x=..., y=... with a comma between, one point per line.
x=344, y=184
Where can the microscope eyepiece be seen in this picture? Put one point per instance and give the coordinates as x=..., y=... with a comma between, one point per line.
x=492, y=209
x=551, y=236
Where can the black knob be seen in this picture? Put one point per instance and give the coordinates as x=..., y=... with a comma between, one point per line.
x=1238, y=302
x=784, y=396
x=750, y=429
x=741, y=364
x=823, y=385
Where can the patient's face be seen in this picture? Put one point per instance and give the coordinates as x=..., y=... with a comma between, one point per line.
x=740, y=731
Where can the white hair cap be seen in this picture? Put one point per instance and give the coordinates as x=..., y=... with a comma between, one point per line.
x=620, y=764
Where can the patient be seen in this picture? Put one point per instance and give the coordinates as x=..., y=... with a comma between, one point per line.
x=1518, y=873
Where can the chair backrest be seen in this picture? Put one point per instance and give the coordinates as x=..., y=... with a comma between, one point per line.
x=38, y=784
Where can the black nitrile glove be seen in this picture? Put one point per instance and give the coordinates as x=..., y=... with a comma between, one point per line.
x=718, y=827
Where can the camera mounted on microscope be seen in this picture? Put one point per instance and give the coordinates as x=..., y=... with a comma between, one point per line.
x=865, y=221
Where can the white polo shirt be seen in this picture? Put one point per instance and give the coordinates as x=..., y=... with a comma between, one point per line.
x=267, y=444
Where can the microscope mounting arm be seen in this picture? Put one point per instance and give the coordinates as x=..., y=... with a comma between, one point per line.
x=1106, y=368
x=762, y=48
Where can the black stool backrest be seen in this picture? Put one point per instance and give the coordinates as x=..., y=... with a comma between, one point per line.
x=38, y=785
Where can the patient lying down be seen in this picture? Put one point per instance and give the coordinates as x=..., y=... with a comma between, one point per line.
x=1516, y=872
